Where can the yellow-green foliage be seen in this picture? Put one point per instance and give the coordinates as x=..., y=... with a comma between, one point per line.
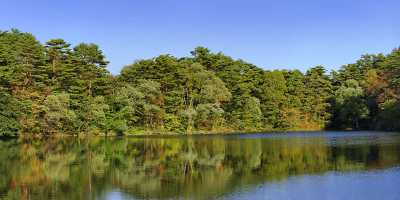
x=53, y=88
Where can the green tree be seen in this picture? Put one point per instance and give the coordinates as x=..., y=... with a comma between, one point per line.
x=57, y=52
x=9, y=114
x=202, y=87
x=21, y=60
x=295, y=88
x=247, y=114
x=57, y=115
x=94, y=114
x=318, y=93
x=350, y=105
x=273, y=98
x=90, y=68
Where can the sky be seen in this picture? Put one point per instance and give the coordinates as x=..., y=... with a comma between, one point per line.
x=279, y=34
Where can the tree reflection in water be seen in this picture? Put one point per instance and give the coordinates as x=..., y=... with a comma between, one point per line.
x=190, y=167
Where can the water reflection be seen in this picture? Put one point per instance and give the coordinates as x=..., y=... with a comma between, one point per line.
x=195, y=168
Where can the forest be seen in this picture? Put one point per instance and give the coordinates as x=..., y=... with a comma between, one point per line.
x=55, y=88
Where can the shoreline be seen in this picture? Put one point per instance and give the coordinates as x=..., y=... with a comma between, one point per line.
x=172, y=134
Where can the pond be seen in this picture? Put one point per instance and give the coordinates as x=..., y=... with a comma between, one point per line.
x=315, y=165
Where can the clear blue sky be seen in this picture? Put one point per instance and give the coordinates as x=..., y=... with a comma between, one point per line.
x=271, y=34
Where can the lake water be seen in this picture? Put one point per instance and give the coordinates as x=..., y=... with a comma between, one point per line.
x=318, y=165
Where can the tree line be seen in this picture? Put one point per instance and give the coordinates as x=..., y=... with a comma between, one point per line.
x=54, y=88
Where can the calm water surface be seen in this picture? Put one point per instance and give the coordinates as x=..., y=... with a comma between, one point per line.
x=319, y=165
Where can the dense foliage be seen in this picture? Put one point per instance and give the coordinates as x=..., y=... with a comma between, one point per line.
x=53, y=88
